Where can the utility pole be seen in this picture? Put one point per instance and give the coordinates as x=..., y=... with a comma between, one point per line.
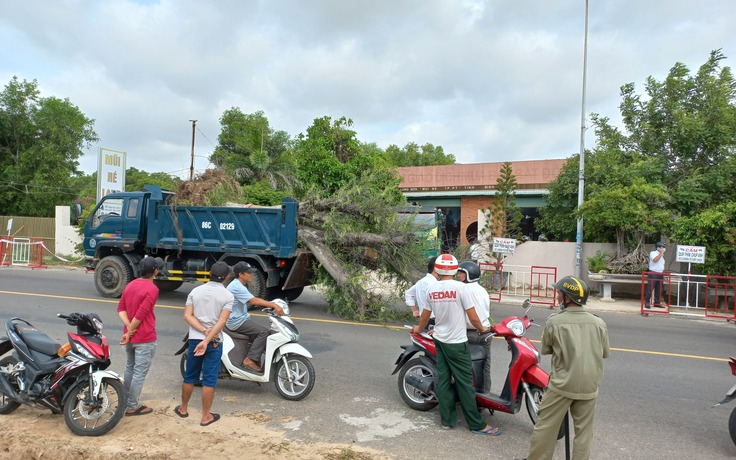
x=191, y=168
x=581, y=173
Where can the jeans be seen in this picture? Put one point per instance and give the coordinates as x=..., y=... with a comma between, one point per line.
x=139, y=358
x=654, y=283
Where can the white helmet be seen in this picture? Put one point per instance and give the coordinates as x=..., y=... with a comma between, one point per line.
x=446, y=264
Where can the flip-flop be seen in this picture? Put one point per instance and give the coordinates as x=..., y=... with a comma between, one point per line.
x=491, y=431
x=176, y=411
x=142, y=410
x=215, y=417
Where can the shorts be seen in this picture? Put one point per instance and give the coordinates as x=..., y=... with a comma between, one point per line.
x=208, y=365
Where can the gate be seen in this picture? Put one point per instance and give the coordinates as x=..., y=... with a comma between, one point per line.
x=25, y=252
x=541, y=290
x=492, y=279
x=720, y=300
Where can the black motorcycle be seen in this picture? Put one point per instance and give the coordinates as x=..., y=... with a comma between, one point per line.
x=69, y=379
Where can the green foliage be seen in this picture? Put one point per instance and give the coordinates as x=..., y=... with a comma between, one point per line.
x=253, y=152
x=136, y=179
x=413, y=155
x=598, y=263
x=367, y=205
x=40, y=142
x=714, y=228
x=261, y=193
x=674, y=157
x=503, y=217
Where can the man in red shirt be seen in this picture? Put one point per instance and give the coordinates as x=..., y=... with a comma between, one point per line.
x=139, y=333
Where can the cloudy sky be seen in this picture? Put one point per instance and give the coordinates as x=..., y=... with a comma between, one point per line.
x=494, y=80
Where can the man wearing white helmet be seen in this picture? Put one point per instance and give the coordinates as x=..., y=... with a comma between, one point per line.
x=449, y=301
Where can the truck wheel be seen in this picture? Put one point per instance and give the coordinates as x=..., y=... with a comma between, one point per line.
x=167, y=285
x=112, y=275
x=257, y=285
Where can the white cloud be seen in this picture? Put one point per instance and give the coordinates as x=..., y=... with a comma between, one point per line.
x=486, y=80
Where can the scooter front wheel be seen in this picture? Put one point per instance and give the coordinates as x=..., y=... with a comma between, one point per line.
x=413, y=396
x=732, y=425
x=86, y=415
x=294, y=377
x=532, y=407
x=533, y=400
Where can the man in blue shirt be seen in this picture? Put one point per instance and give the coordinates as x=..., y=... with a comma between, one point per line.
x=240, y=320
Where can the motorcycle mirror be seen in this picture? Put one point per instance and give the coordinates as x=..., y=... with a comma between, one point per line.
x=527, y=303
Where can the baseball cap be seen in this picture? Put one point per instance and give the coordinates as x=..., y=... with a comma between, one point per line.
x=148, y=264
x=243, y=267
x=219, y=271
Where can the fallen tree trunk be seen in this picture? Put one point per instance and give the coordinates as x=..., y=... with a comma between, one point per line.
x=314, y=240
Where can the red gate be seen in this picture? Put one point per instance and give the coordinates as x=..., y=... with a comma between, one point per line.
x=720, y=297
x=541, y=291
x=492, y=279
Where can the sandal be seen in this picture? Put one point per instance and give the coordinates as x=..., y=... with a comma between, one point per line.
x=142, y=410
x=176, y=411
x=215, y=417
x=489, y=430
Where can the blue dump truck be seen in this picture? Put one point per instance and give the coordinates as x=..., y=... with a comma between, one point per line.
x=125, y=227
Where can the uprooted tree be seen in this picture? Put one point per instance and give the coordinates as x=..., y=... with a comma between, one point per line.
x=366, y=254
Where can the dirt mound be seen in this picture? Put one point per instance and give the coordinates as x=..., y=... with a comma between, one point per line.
x=37, y=434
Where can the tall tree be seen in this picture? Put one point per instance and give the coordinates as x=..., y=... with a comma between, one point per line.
x=329, y=155
x=253, y=152
x=40, y=142
x=674, y=157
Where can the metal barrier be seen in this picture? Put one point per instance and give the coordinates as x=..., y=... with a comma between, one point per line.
x=532, y=282
x=6, y=250
x=541, y=290
x=26, y=252
x=493, y=279
x=657, y=292
x=720, y=301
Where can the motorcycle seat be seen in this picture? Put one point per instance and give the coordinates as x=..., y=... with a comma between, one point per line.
x=37, y=340
x=236, y=335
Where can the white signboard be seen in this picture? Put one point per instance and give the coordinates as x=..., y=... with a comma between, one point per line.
x=504, y=245
x=691, y=254
x=110, y=172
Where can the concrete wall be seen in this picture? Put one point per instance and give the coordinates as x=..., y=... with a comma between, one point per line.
x=557, y=254
x=67, y=236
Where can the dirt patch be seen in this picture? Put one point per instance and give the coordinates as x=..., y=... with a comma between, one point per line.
x=37, y=434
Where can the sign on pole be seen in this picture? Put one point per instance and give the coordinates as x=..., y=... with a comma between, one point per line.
x=690, y=254
x=504, y=245
x=110, y=172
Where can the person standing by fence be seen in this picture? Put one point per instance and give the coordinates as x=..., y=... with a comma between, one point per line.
x=655, y=276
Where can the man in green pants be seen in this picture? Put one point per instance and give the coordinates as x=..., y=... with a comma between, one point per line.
x=578, y=343
x=450, y=303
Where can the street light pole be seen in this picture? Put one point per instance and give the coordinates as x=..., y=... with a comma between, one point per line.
x=191, y=168
x=581, y=173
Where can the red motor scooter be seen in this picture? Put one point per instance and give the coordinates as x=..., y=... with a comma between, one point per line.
x=417, y=370
x=730, y=396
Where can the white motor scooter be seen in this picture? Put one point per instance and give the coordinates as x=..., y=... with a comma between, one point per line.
x=284, y=360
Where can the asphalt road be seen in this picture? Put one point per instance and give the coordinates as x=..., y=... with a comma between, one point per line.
x=662, y=378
